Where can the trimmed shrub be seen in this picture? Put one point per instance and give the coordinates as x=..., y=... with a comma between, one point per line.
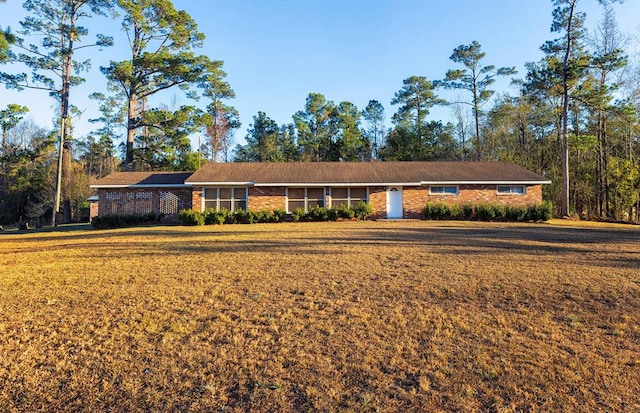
x=362, y=210
x=345, y=212
x=262, y=216
x=298, y=215
x=239, y=216
x=516, y=213
x=455, y=212
x=278, y=215
x=212, y=216
x=128, y=220
x=332, y=214
x=540, y=212
x=485, y=212
x=467, y=211
x=318, y=213
x=191, y=217
x=499, y=211
x=251, y=217
x=489, y=212
x=435, y=211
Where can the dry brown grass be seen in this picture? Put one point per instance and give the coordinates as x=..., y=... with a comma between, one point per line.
x=356, y=316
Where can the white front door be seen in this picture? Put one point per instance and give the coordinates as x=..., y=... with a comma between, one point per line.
x=394, y=202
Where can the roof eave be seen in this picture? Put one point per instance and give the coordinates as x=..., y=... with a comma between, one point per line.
x=98, y=186
x=513, y=182
x=224, y=183
x=305, y=184
x=338, y=184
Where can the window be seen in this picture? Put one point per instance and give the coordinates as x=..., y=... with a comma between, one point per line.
x=511, y=190
x=305, y=198
x=443, y=190
x=348, y=196
x=231, y=199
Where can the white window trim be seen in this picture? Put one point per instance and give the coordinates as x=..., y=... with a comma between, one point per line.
x=518, y=193
x=444, y=193
x=306, y=197
x=349, y=202
x=217, y=197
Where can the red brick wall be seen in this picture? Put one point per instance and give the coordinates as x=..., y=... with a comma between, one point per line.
x=273, y=197
x=482, y=194
x=378, y=201
x=93, y=209
x=414, y=198
x=196, y=199
x=123, y=201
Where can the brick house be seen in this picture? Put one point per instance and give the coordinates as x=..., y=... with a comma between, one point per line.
x=394, y=189
x=123, y=193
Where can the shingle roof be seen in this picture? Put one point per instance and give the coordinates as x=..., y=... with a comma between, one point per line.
x=318, y=173
x=142, y=179
x=374, y=173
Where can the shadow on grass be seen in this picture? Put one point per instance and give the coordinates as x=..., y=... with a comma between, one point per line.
x=61, y=228
x=305, y=238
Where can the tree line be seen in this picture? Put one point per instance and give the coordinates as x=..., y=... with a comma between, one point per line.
x=574, y=118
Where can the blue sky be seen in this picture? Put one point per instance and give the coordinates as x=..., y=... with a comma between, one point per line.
x=276, y=52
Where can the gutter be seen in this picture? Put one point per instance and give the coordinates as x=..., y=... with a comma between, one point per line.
x=139, y=186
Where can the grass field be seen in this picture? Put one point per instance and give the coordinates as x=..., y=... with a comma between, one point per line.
x=351, y=316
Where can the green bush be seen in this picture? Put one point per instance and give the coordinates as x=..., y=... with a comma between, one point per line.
x=279, y=215
x=540, y=212
x=332, y=214
x=128, y=220
x=429, y=211
x=485, y=212
x=298, y=215
x=260, y=216
x=104, y=221
x=191, y=217
x=318, y=213
x=516, y=213
x=363, y=210
x=239, y=216
x=250, y=217
x=467, y=211
x=455, y=212
x=214, y=217
x=440, y=210
x=436, y=211
x=489, y=212
x=345, y=212
x=499, y=211
x=220, y=217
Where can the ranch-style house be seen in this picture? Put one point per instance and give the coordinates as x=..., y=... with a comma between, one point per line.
x=395, y=190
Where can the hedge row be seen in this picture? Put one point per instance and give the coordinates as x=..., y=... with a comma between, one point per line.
x=128, y=220
x=489, y=212
x=362, y=211
x=212, y=216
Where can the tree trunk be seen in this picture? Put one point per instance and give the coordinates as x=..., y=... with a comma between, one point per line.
x=565, y=112
x=131, y=130
x=63, y=185
x=565, y=160
x=67, y=142
x=477, y=120
x=4, y=144
x=605, y=166
x=599, y=169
